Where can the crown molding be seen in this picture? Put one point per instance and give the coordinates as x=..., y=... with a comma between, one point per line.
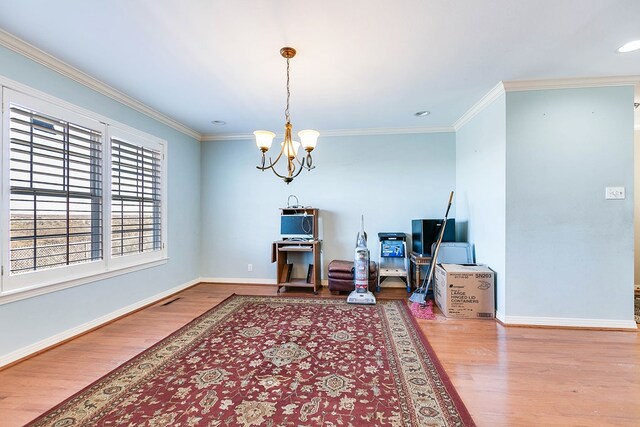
x=341, y=132
x=497, y=91
x=25, y=49
x=575, y=83
x=387, y=131
x=550, y=84
x=228, y=137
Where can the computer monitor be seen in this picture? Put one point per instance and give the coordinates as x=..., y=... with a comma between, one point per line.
x=425, y=232
x=296, y=226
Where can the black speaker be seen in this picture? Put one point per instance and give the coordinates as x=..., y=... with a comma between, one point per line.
x=425, y=232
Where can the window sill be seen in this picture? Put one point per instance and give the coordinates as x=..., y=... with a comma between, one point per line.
x=20, y=294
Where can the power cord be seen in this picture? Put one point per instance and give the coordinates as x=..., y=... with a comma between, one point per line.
x=289, y=205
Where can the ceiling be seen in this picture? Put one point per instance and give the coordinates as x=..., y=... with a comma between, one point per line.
x=361, y=64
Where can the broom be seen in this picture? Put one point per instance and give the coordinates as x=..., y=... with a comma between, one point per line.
x=420, y=294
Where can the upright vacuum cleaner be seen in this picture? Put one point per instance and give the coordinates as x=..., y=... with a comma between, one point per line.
x=361, y=294
x=420, y=294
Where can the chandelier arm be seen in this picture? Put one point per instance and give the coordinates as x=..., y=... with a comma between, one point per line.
x=262, y=166
x=272, y=164
x=297, y=173
x=273, y=169
x=262, y=161
x=305, y=163
x=285, y=177
x=277, y=158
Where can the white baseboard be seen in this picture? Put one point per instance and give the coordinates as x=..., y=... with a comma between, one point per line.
x=238, y=280
x=567, y=322
x=70, y=333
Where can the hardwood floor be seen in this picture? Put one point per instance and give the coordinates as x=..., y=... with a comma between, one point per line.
x=512, y=376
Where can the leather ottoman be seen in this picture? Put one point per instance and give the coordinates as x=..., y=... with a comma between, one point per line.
x=341, y=276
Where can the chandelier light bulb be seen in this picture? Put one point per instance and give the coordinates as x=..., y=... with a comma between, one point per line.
x=290, y=150
x=309, y=139
x=264, y=139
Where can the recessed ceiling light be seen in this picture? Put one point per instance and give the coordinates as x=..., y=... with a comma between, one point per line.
x=422, y=113
x=629, y=47
x=218, y=122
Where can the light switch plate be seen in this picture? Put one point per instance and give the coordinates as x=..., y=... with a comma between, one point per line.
x=614, y=193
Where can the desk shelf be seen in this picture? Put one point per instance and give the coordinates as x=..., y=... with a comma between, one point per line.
x=295, y=249
x=296, y=283
x=417, y=263
x=280, y=251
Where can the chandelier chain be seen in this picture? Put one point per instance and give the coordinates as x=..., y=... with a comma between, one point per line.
x=286, y=111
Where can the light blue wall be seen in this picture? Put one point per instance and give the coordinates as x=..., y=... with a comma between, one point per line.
x=530, y=172
x=390, y=179
x=480, y=184
x=569, y=251
x=28, y=321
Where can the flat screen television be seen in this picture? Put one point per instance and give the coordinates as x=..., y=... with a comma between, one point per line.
x=425, y=232
x=296, y=227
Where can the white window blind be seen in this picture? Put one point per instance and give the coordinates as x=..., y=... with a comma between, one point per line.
x=55, y=174
x=136, y=198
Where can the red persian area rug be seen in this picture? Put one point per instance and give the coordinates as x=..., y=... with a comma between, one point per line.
x=277, y=361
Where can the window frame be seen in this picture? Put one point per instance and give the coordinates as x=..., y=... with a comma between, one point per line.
x=28, y=284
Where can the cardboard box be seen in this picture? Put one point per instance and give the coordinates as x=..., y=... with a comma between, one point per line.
x=465, y=290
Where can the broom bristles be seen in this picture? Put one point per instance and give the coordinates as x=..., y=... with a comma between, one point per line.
x=423, y=311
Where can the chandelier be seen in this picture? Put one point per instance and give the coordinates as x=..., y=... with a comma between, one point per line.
x=289, y=147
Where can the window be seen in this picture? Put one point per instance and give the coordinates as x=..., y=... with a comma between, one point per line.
x=55, y=173
x=76, y=208
x=136, y=197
